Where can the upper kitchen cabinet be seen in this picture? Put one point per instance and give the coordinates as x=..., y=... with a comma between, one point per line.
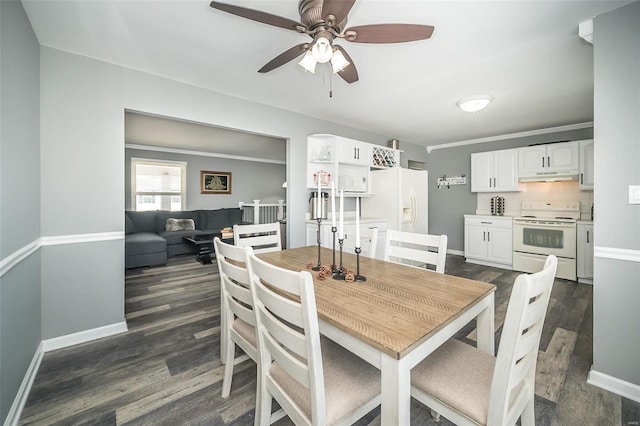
x=557, y=159
x=347, y=162
x=494, y=171
x=353, y=152
x=586, y=164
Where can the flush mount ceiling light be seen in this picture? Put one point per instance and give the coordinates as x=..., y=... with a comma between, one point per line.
x=474, y=103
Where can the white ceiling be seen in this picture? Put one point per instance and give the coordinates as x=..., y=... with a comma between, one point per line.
x=526, y=54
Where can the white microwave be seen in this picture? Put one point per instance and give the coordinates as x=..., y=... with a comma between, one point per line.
x=352, y=183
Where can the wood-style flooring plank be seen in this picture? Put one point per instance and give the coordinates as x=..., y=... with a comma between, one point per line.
x=166, y=369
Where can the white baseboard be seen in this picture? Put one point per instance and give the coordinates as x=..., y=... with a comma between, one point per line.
x=456, y=252
x=615, y=385
x=84, y=336
x=25, y=387
x=492, y=264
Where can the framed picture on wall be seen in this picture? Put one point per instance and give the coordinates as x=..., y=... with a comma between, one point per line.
x=215, y=182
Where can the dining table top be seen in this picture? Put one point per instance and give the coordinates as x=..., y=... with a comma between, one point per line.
x=396, y=309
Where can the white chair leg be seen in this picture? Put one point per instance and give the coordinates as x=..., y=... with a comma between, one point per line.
x=263, y=406
x=228, y=369
x=528, y=416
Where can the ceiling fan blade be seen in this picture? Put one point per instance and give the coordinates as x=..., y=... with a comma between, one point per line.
x=256, y=15
x=285, y=57
x=350, y=73
x=338, y=8
x=388, y=33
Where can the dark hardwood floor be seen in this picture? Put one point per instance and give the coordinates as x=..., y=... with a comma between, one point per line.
x=166, y=369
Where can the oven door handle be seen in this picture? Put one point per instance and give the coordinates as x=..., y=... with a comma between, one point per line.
x=544, y=225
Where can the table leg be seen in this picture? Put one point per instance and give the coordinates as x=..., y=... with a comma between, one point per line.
x=486, y=327
x=396, y=392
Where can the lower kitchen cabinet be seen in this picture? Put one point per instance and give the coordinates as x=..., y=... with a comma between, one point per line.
x=326, y=236
x=584, y=260
x=488, y=240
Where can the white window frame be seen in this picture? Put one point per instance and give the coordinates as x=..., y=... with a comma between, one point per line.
x=155, y=162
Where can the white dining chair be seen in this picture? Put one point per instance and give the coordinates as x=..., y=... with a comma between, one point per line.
x=471, y=387
x=262, y=238
x=416, y=249
x=368, y=242
x=315, y=383
x=237, y=320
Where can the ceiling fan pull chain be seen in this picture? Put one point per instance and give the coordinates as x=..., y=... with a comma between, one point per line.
x=330, y=84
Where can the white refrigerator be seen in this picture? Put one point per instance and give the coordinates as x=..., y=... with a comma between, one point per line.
x=400, y=198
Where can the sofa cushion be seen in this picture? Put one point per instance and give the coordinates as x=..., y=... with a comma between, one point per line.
x=143, y=243
x=174, y=224
x=235, y=217
x=177, y=237
x=162, y=216
x=222, y=218
x=217, y=219
x=129, y=227
x=143, y=221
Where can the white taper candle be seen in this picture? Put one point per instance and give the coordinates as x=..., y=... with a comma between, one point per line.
x=358, y=222
x=341, y=228
x=319, y=199
x=333, y=204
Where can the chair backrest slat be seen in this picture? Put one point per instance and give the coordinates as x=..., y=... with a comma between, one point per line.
x=262, y=238
x=234, y=281
x=514, y=374
x=288, y=332
x=416, y=249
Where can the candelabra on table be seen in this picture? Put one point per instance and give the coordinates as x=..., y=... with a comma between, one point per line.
x=339, y=272
x=358, y=277
x=334, y=269
x=319, y=266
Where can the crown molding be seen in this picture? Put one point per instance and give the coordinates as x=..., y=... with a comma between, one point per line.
x=517, y=135
x=200, y=153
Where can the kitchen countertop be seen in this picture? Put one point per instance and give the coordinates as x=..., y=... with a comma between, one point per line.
x=349, y=220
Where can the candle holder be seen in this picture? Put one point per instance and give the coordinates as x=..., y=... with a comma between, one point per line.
x=339, y=274
x=317, y=268
x=358, y=277
x=334, y=269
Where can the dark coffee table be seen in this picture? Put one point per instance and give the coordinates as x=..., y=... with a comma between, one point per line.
x=204, y=244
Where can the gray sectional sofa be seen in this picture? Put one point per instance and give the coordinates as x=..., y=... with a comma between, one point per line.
x=149, y=243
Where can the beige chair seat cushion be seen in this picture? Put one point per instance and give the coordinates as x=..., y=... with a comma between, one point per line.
x=246, y=330
x=459, y=376
x=349, y=382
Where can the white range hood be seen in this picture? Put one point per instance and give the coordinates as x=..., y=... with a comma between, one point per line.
x=548, y=178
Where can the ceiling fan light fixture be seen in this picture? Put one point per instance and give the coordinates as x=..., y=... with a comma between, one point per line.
x=474, y=103
x=338, y=61
x=322, y=50
x=308, y=62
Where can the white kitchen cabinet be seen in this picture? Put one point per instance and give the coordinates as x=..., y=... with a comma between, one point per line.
x=351, y=151
x=584, y=260
x=494, y=171
x=488, y=240
x=586, y=164
x=326, y=236
x=347, y=162
x=549, y=160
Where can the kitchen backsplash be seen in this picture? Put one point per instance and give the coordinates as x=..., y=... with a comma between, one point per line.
x=538, y=191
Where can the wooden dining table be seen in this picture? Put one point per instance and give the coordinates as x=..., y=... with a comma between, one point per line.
x=395, y=318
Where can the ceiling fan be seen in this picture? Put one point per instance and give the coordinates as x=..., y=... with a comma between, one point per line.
x=324, y=21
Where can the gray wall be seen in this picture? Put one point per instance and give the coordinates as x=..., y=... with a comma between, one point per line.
x=447, y=207
x=83, y=103
x=616, y=333
x=20, y=328
x=250, y=180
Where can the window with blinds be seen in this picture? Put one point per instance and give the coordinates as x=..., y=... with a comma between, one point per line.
x=158, y=185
